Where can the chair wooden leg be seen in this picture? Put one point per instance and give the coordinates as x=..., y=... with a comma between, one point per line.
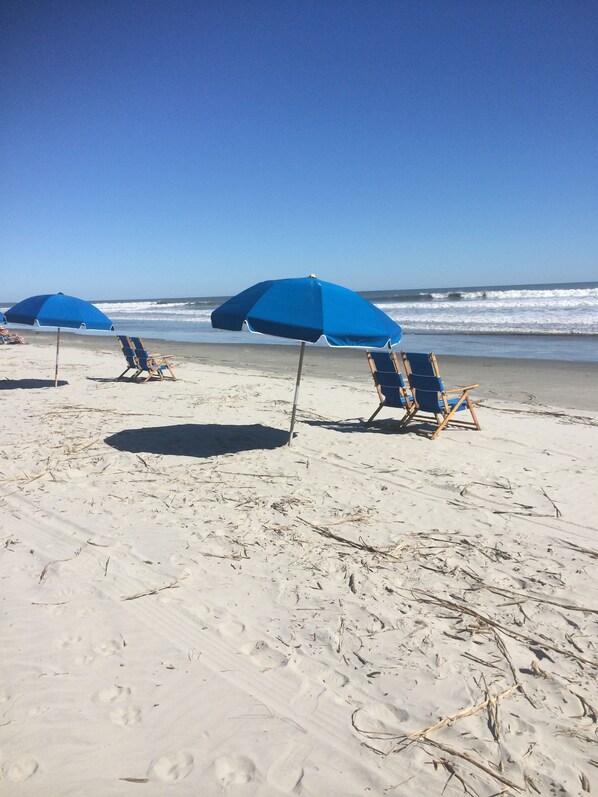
x=371, y=418
x=172, y=376
x=448, y=417
x=473, y=415
x=124, y=372
x=409, y=415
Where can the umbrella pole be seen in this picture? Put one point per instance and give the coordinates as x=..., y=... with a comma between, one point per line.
x=296, y=399
x=57, y=350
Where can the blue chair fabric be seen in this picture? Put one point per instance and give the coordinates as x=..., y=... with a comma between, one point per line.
x=129, y=355
x=390, y=385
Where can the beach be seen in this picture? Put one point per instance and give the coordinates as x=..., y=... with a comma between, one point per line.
x=191, y=606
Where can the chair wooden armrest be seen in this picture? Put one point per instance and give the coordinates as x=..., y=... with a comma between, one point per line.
x=161, y=359
x=461, y=389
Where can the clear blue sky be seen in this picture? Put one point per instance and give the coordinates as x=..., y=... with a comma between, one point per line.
x=155, y=148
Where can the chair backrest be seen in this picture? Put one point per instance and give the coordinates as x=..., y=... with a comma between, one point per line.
x=128, y=350
x=425, y=380
x=138, y=344
x=388, y=378
x=418, y=363
x=141, y=353
x=428, y=392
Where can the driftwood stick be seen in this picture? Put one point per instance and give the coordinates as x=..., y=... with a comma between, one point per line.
x=509, y=593
x=24, y=478
x=350, y=519
x=590, y=551
x=75, y=449
x=515, y=675
x=588, y=708
x=44, y=572
x=557, y=511
x=226, y=556
x=172, y=585
x=465, y=712
x=541, y=643
x=474, y=761
x=136, y=780
x=362, y=546
x=341, y=631
x=452, y=769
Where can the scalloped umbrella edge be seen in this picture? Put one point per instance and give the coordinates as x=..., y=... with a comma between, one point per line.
x=61, y=311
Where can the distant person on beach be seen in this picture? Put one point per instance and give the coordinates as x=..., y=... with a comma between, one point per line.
x=10, y=337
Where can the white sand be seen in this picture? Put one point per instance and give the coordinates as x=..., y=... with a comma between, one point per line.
x=309, y=607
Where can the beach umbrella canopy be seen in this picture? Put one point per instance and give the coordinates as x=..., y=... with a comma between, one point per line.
x=60, y=311
x=308, y=309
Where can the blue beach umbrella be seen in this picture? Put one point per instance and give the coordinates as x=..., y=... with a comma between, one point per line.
x=60, y=311
x=308, y=309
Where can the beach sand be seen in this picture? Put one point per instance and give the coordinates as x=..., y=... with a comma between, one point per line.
x=192, y=607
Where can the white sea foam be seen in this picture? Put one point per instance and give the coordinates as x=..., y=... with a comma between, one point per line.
x=561, y=310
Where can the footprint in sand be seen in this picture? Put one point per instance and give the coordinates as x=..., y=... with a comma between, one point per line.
x=286, y=772
x=112, y=694
x=288, y=598
x=20, y=770
x=108, y=648
x=378, y=717
x=305, y=702
x=319, y=676
x=231, y=628
x=171, y=766
x=234, y=769
x=38, y=711
x=200, y=611
x=262, y=655
x=330, y=677
x=125, y=716
x=63, y=593
x=86, y=659
x=67, y=640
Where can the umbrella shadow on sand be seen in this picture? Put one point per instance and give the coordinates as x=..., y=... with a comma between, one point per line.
x=200, y=440
x=29, y=384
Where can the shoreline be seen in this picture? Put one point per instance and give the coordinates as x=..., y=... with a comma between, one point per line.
x=566, y=384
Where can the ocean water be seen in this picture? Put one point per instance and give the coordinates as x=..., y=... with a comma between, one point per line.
x=558, y=321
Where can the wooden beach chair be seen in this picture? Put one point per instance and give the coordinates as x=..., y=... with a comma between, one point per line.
x=129, y=355
x=154, y=364
x=432, y=398
x=389, y=381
